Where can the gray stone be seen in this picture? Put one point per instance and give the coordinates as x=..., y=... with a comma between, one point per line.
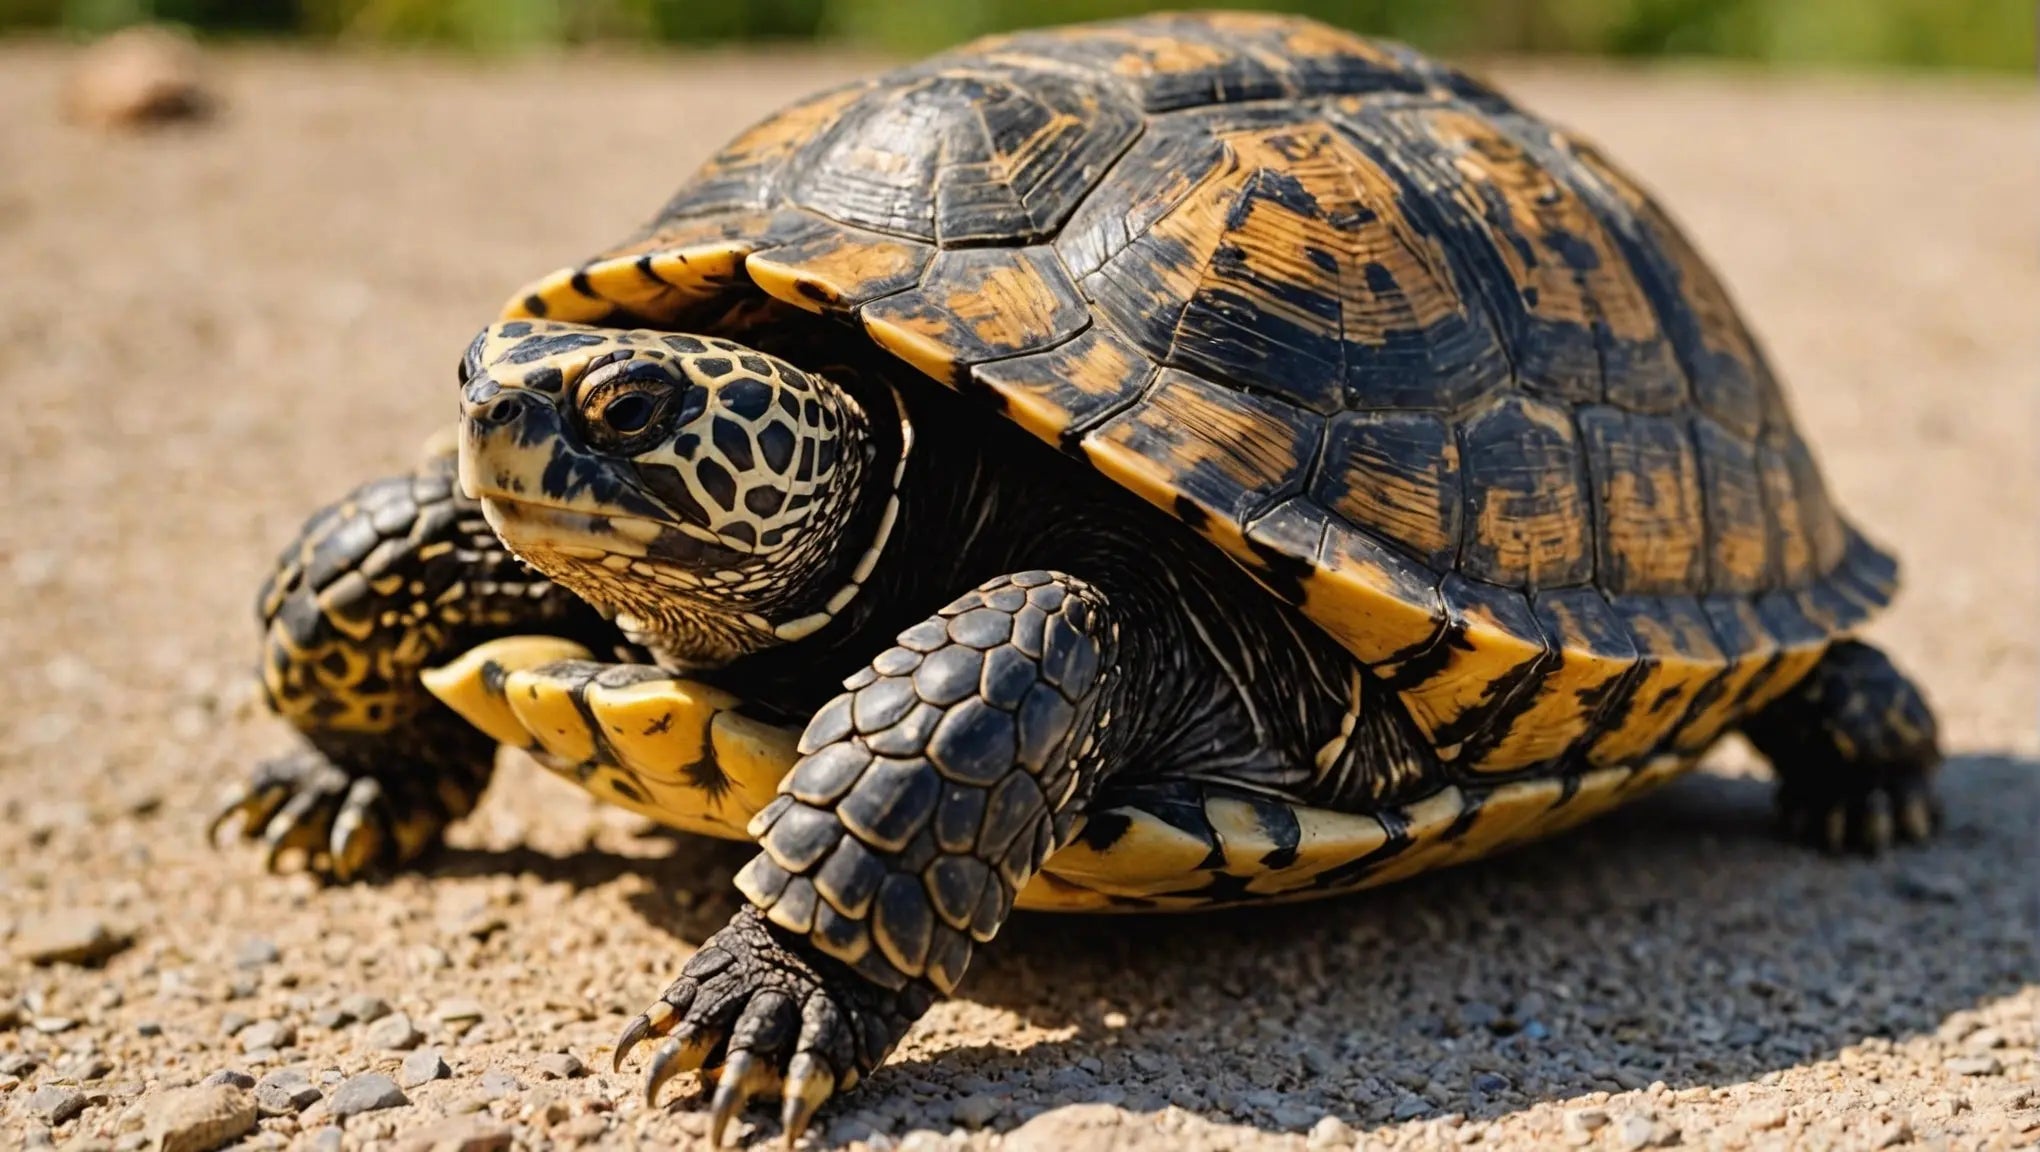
x=58, y=1105
x=285, y=1092
x=201, y=1118
x=256, y=954
x=422, y=1067
x=394, y=1033
x=267, y=1034
x=1410, y=1107
x=230, y=1076
x=975, y=1111
x=368, y=1092
x=497, y=1084
x=364, y=1008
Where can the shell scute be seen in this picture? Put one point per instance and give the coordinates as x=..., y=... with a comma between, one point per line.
x=978, y=304
x=1531, y=522
x=1646, y=477
x=1463, y=692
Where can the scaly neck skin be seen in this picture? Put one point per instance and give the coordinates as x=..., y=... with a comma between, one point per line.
x=701, y=616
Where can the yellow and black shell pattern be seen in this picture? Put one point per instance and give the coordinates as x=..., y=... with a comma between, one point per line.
x=1430, y=369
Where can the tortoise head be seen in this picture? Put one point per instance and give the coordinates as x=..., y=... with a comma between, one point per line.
x=698, y=489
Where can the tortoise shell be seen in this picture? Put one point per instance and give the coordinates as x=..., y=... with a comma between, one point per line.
x=1430, y=369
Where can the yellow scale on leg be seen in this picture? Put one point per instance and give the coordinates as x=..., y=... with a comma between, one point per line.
x=672, y=749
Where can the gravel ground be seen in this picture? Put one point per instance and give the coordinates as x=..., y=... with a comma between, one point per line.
x=206, y=331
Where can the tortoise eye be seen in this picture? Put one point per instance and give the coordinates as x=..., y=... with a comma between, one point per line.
x=629, y=412
x=625, y=409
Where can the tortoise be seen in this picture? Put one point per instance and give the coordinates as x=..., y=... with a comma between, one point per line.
x=1159, y=464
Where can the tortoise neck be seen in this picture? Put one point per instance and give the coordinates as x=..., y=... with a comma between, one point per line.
x=785, y=594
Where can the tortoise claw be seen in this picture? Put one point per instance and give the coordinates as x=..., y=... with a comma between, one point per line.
x=743, y=1077
x=809, y=1084
x=342, y=825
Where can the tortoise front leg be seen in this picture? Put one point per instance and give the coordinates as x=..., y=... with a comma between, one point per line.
x=927, y=795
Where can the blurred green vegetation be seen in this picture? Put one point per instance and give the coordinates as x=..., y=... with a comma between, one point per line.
x=1982, y=34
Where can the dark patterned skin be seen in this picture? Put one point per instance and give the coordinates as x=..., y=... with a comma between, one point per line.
x=1384, y=481
x=399, y=575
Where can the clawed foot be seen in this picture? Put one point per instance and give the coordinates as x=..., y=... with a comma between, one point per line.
x=760, y=1016
x=344, y=826
x=1895, y=806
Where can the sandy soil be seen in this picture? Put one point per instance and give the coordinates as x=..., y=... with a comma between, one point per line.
x=205, y=332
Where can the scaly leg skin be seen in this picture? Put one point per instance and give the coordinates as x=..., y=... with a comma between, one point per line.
x=926, y=797
x=400, y=575
x=1855, y=747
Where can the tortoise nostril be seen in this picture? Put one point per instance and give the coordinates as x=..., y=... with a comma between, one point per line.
x=500, y=408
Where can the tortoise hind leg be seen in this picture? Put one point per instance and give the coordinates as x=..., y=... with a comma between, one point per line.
x=401, y=574
x=1855, y=747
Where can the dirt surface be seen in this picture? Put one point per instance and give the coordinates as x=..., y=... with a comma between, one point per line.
x=204, y=332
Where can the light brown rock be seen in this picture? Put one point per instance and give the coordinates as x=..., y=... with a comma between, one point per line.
x=147, y=74
x=200, y=1119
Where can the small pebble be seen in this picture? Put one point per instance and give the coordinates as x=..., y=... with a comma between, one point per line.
x=230, y=1076
x=976, y=1110
x=1330, y=1133
x=364, y=1008
x=285, y=1092
x=1409, y=1108
x=58, y=1105
x=497, y=1084
x=75, y=936
x=1585, y=1119
x=256, y=954
x=267, y=1034
x=559, y=1066
x=459, y=1015
x=148, y=1028
x=1973, y=1065
x=368, y=1092
x=393, y=1033
x=422, y=1067
x=460, y=1134
x=1633, y=1132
